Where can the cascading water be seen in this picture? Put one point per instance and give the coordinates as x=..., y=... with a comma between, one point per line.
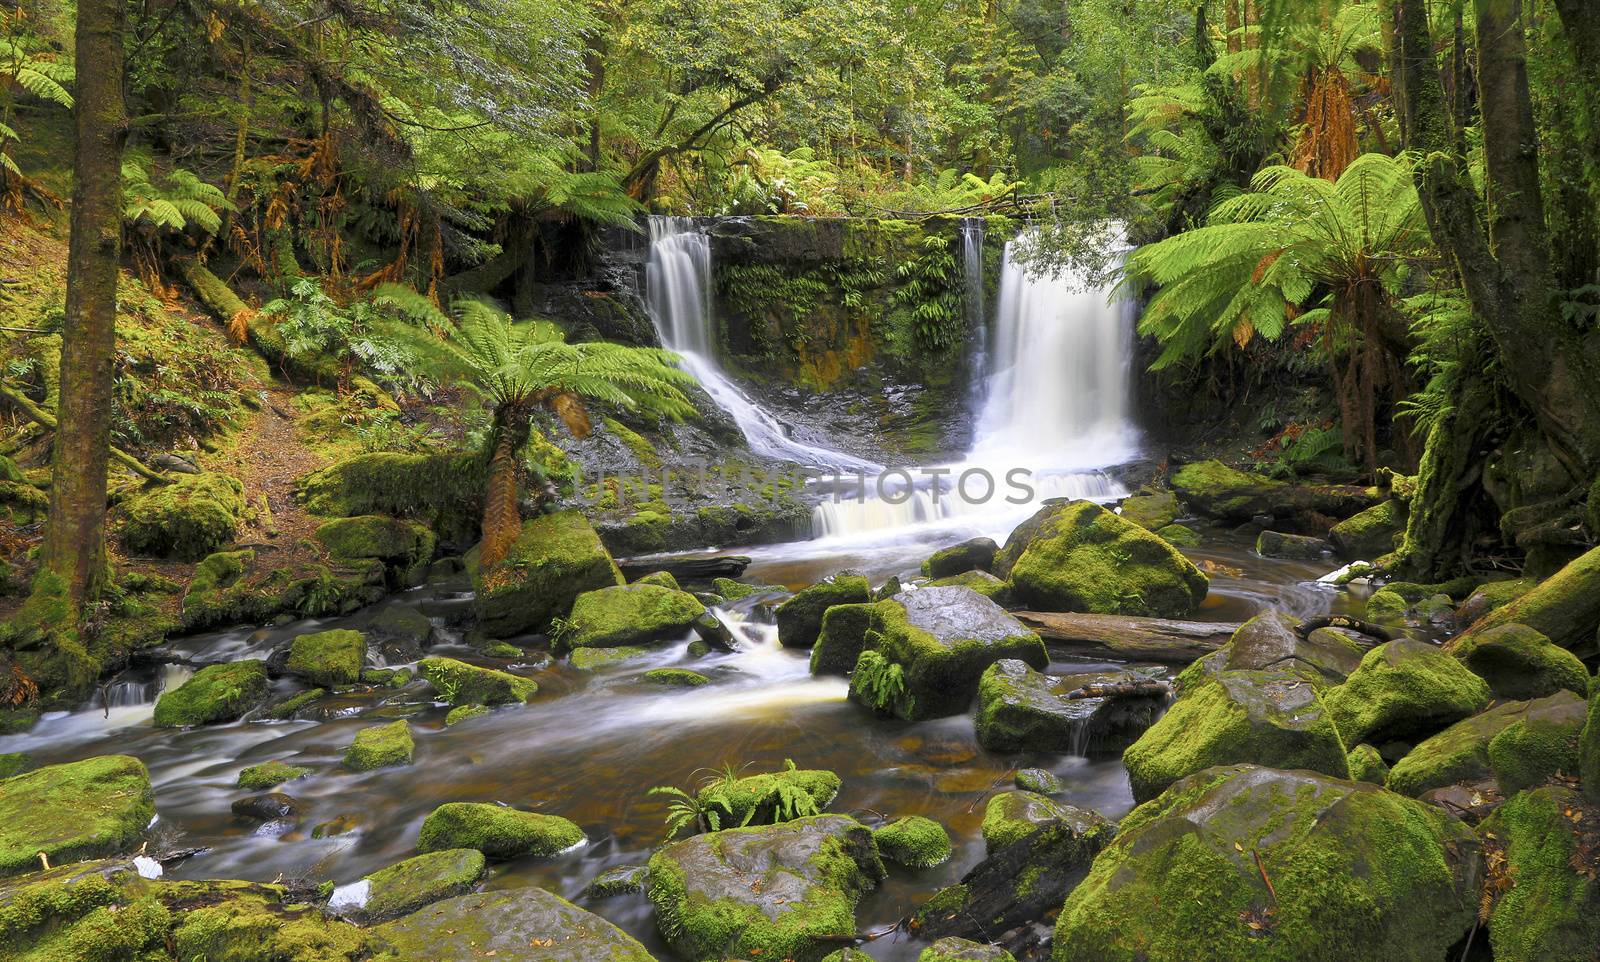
x=976, y=306
x=678, y=297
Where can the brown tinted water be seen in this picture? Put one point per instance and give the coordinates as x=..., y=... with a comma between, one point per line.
x=590, y=746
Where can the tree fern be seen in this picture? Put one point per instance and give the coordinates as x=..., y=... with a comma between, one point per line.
x=179, y=200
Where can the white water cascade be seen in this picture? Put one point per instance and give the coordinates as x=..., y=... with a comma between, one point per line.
x=678, y=297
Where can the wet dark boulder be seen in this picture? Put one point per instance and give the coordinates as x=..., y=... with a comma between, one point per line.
x=1020, y=709
x=265, y=807
x=800, y=618
x=527, y=924
x=974, y=555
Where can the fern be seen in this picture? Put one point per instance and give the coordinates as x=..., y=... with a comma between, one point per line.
x=881, y=680
x=685, y=810
x=177, y=201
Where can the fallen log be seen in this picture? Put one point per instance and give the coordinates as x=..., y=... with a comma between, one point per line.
x=687, y=569
x=47, y=420
x=1128, y=638
x=1122, y=689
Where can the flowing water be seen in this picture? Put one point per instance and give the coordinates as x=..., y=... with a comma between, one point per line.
x=591, y=745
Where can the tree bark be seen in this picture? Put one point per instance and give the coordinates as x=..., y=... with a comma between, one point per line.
x=502, y=521
x=74, y=547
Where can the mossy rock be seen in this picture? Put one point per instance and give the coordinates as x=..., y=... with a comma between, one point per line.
x=618, y=880
x=259, y=778
x=785, y=891
x=461, y=713
x=289, y=707
x=556, y=558
x=408, y=626
x=928, y=649
x=733, y=590
x=594, y=659
x=770, y=797
x=1404, y=689
x=982, y=582
x=405, y=547
x=187, y=520
x=14, y=763
x=1291, y=547
x=1589, y=747
x=1387, y=607
x=216, y=693
x=1367, y=765
x=1020, y=709
x=526, y=924
x=842, y=639
x=496, y=831
x=1358, y=874
x=661, y=579
x=1538, y=746
x=1520, y=663
x=974, y=555
x=404, y=887
x=1077, y=556
x=1011, y=817
x=915, y=842
x=1217, y=491
x=1551, y=911
x=1488, y=597
x=255, y=925
x=1460, y=753
x=954, y=949
x=1181, y=536
x=1564, y=607
x=459, y=683
x=800, y=618
x=625, y=616
x=80, y=810
x=1371, y=533
x=382, y=746
x=1038, y=780
x=328, y=658
x=676, y=677
x=1151, y=512
x=445, y=491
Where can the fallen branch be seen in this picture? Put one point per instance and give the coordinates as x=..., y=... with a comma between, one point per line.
x=1349, y=624
x=44, y=419
x=1122, y=689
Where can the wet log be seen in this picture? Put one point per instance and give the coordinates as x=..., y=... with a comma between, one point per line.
x=1124, y=689
x=687, y=569
x=1128, y=638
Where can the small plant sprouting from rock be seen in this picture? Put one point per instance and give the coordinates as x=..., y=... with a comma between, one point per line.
x=685, y=810
x=883, y=680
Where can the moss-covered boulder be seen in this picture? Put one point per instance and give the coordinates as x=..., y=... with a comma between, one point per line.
x=1460, y=753
x=1564, y=607
x=1215, y=490
x=403, y=626
x=1371, y=533
x=1077, y=556
x=461, y=713
x=769, y=798
x=974, y=555
x=81, y=810
x=915, y=842
x=382, y=746
x=328, y=658
x=1181, y=536
x=405, y=547
x=1011, y=817
x=982, y=582
x=635, y=615
x=1367, y=765
x=259, y=778
x=842, y=639
x=1551, y=908
x=1520, y=663
x=187, y=520
x=1540, y=745
x=14, y=763
x=617, y=880
x=1291, y=547
x=594, y=659
x=216, y=693
x=786, y=891
x=964, y=950
x=404, y=887
x=1151, y=512
x=526, y=924
x=1404, y=689
x=1020, y=709
x=556, y=558
x=444, y=491
x=1589, y=748
x=1357, y=874
x=459, y=683
x=675, y=678
x=496, y=831
x=928, y=649
x=733, y=590
x=800, y=618
x=1495, y=594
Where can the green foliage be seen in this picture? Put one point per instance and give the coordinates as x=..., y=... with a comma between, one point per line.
x=930, y=288
x=883, y=680
x=312, y=324
x=179, y=200
x=684, y=810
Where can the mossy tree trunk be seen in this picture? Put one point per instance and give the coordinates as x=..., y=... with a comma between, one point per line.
x=502, y=521
x=74, y=548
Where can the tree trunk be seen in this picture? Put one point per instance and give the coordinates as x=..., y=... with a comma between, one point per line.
x=502, y=521
x=74, y=547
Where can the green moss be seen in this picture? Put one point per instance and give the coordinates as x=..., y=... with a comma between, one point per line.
x=982, y=582
x=1460, y=753
x=406, y=546
x=1371, y=533
x=963, y=950
x=629, y=616
x=500, y=649
x=1011, y=817
x=216, y=693
x=1218, y=491
x=619, y=880
x=676, y=677
x=1550, y=911
x=1151, y=512
x=661, y=579
x=187, y=520
x=1534, y=749
x=406, y=886
x=444, y=491
x=459, y=683
x=328, y=658
x=594, y=659
x=80, y=810
x=1564, y=608
x=1403, y=689
x=1080, y=557
x=1589, y=747
x=800, y=618
x=1038, y=780
x=381, y=746
x=243, y=930
x=1180, y=536
x=1366, y=765
x=460, y=714
x=1520, y=663
x=14, y=763
x=735, y=590
x=770, y=798
x=259, y=778
x=286, y=709
x=496, y=831
x=1387, y=607
x=841, y=639
x=556, y=558
x=915, y=842
x=974, y=555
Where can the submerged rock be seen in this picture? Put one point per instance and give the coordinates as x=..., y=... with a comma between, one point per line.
x=1404, y=689
x=1358, y=874
x=556, y=558
x=630, y=616
x=1077, y=556
x=270, y=775
x=382, y=746
x=459, y=683
x=974, y=555
x=461, y=713
x=800, y=618
x=405, y=887
x=496, y=831
x=1519, y=662
x=929, y=647
x=774, y=892
x=1551, y=910
x=80, y=810
x=525, y=924
x=1020, y=709
x=914, y=841
x=216, y=693
x=187, y=520
x=265, y=808
x=328, y=658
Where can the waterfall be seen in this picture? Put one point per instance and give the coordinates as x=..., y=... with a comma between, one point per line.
x=977, y=313
x=678, y=298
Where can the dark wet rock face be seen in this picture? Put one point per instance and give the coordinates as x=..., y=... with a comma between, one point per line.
x=1020, y=709
x=526, y=923
x=265, y=807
